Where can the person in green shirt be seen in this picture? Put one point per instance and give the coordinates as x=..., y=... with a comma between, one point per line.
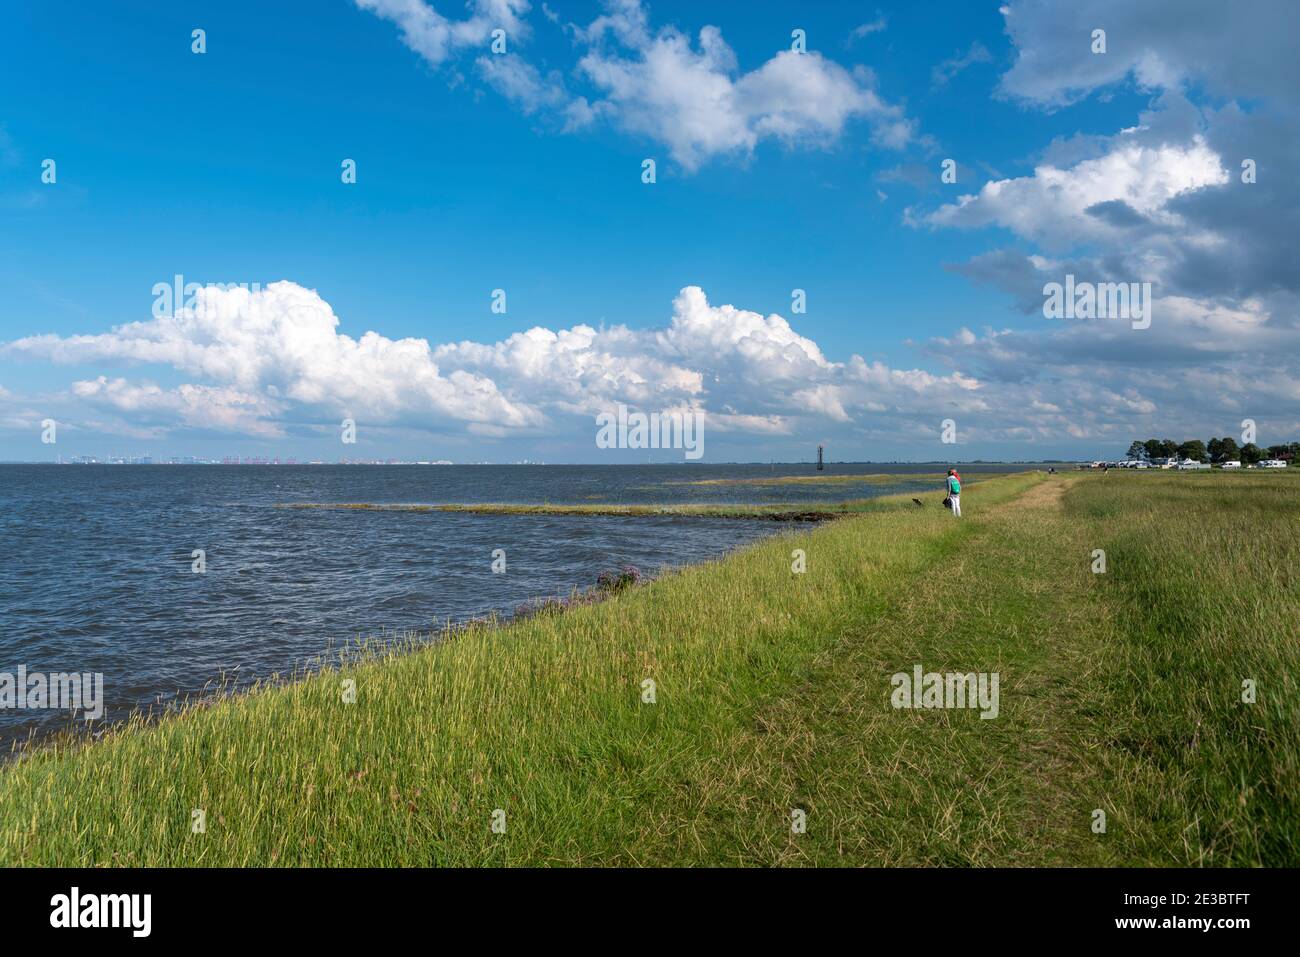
x=954, y=492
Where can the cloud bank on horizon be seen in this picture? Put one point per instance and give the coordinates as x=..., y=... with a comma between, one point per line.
x=1163, y=199
x=274, y=356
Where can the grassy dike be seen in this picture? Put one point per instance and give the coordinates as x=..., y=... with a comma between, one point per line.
x=1119, y=691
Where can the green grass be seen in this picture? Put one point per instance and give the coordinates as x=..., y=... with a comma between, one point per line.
x=1119, y=691
x=1204, y=582
x=871, y=479
x=814, y=512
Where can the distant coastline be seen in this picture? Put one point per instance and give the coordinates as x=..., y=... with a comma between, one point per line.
x=75, y=460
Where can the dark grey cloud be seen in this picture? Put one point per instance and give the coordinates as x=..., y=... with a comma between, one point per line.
x=1117, y=213
x=1008, y=270
x=1236, y=50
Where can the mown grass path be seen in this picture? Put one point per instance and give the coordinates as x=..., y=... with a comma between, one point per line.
x=1008, y=592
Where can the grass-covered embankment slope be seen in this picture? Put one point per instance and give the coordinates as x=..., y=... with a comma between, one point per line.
x=1119, y=691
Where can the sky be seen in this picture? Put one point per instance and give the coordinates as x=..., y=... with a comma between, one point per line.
x=499, y=272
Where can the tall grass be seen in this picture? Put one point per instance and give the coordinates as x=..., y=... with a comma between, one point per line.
x=1204, y=574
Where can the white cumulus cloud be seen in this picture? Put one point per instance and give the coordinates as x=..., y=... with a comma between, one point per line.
x=690, y=95
x=436, y=37
x=264, y=360
x=1060, y=207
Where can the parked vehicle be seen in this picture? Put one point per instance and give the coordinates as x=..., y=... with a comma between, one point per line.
x=1191, y=465
x=1273, y=464
x=1232, y=465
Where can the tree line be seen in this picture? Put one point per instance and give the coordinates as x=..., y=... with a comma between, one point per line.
x=1216, y=450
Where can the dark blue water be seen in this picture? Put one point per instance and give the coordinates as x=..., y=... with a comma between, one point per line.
x=95, y=561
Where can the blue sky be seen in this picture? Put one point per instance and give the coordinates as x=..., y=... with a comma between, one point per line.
x=479, y=171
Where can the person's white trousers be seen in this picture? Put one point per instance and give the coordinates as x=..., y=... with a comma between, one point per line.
x=956, y=506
